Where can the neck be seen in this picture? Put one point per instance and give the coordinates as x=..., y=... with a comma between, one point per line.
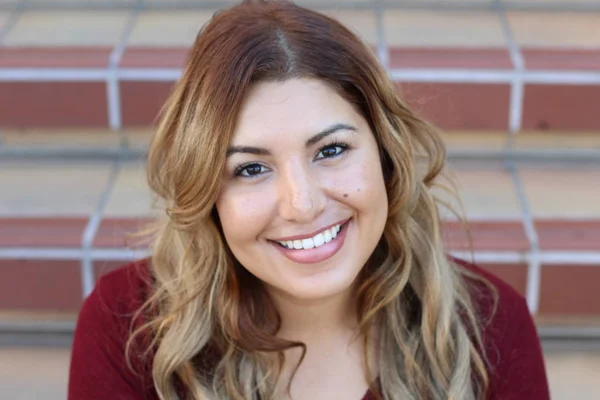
x=313, y=320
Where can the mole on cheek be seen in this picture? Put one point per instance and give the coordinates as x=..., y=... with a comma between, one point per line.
x=345, y=194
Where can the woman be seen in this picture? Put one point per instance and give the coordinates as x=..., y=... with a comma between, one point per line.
x=300, y=256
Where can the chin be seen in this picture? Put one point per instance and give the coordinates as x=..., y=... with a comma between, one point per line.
x=321, y=286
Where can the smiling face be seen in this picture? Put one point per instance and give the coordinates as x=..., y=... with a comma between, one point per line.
x=303, y=201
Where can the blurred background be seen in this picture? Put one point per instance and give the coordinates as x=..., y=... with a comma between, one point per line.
x=515, y=86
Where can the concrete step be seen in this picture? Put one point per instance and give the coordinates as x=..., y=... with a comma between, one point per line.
x=456, y=67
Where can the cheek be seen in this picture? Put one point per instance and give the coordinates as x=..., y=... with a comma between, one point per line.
x=242, y=215
x=362, y=185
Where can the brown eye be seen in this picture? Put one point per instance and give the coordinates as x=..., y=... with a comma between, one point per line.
x=332, y=150
x=250, y=170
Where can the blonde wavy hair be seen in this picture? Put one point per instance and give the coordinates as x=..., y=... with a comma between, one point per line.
x=212, y=325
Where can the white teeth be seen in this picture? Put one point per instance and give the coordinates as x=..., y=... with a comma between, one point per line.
x=307, y=244
x=319, y=240
x=316, y=241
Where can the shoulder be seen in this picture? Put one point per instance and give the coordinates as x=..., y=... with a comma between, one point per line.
x=510, y=339
x=113, y=304
x=99, y=362
x=115, y=300
x=124, y=289
x=497, y=302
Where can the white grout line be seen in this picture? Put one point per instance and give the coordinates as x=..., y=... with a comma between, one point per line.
x=534, y=269
x=150, y=74
x=580, y=258
x=562, y=77
x=495, y=76
x=58, y=5
x=451, y=75
x=36, y=253
x=119, y=254
x=87, y=268
x=58, y=253
x=382, y=47
x=113, y=100
x=112, y=84
x=513, y=47
x=590, y=258
x=534, y=277
x=401, y=74
x=515, y=110
x=517, y=85
x=465, y=5
x=53, y=74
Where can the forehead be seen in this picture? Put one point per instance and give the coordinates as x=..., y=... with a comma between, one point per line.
x=301, y=106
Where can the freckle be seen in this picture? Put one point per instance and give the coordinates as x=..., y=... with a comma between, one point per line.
x=358, y=190
x=345, y=194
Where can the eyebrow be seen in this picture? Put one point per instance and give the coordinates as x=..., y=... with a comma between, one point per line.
x=259, y=151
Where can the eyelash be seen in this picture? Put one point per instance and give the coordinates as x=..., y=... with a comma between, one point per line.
x=343, y=148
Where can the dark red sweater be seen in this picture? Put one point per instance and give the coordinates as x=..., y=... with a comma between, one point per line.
x=99, y=372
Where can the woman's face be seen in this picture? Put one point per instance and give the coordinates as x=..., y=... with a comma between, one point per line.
x=303, y=202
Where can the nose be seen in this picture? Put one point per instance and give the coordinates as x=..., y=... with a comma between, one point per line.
x=301, y=196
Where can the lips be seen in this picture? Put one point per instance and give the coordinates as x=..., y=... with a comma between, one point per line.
x=308, y=235
x=318, y=240
x=306, y=254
